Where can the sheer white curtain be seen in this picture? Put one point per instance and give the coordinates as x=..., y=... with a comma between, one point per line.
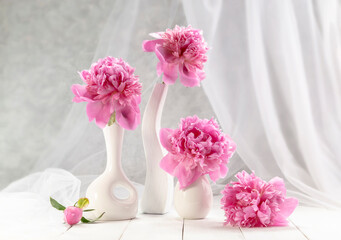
x=274, y=81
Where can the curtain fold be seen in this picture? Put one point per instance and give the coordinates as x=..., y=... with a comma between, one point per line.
x=273, y=79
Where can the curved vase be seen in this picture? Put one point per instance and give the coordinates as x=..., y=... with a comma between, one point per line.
x=195, y=201
x=158, y=191
x=103, y=191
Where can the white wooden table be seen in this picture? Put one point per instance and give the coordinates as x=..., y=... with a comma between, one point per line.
x=305, y=223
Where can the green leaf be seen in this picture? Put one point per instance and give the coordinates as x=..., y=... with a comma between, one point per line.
x=88, y=210
x=56, y=204
x=82, y=203
x=99, y=216
x=112, y=119
x=84, y=220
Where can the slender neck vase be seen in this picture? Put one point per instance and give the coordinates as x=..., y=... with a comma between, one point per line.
x=113, y=137
x=112, y=192
x=158, y=192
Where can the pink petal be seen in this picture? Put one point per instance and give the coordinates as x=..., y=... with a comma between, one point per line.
x=250, y=211
x=219, y=173
x=103, y=117
x=93, y=109
x=169, y=163
x=223, y=170
x=164, y=138
x=127, y=117
x=279, y=222
x=166, y=65
x=214, y=175
x=85, y=76
x=170, y=73
x=149, y=46
x=100, y=112
x=288, y=206
x=201, y=74
x=156, y=34
x=187, y=78
x=159, y=68
x=186, y=176
x=264, y=214
x=278, y=183
x=137, y=100
x=164, y=55
x=264, y=218
x=81, y=95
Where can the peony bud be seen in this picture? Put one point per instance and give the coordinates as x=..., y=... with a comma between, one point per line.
x=72, y=215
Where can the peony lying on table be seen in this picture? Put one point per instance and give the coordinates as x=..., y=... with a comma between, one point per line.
x=112, y=91
x=196, y=148
x=252, y=202
x=74, y=214
x=181, y=51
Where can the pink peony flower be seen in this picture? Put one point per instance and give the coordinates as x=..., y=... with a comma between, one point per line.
x=72, y=215
x=111, y=87
x=196, y=148
x=252, y=202
x=180, y=50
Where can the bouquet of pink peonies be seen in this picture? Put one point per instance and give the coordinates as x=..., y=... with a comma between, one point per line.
x=196, y=148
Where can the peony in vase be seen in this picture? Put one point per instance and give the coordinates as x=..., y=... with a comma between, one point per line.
x=106, y=192
x=195, y=149
x=113, y=95
x=195, y=201
x=158, y=191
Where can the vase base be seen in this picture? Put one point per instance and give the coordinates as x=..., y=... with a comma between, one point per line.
x=116, y=219
x=193, y=218
x=195, y=201
x=155, y=213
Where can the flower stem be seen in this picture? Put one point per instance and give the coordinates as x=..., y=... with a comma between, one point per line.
x=112, y=119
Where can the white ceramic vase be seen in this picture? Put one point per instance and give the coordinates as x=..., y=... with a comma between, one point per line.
x=112, y=192
x=195, y=201
x=158, y=192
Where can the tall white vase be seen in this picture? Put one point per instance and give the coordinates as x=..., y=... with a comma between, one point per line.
x=158, y=192
x=195, y=201
x=103, y=191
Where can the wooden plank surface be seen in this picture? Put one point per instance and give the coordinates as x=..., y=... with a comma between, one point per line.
x=273, y=233
x=155, y=227
x=106, y=230
x=211, y=227
x=305, y=223
x=317, y=223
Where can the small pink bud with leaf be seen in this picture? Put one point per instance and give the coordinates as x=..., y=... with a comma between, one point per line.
x=72, y=215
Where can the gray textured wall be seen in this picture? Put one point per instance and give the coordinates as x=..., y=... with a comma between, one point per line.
x=43, y=43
